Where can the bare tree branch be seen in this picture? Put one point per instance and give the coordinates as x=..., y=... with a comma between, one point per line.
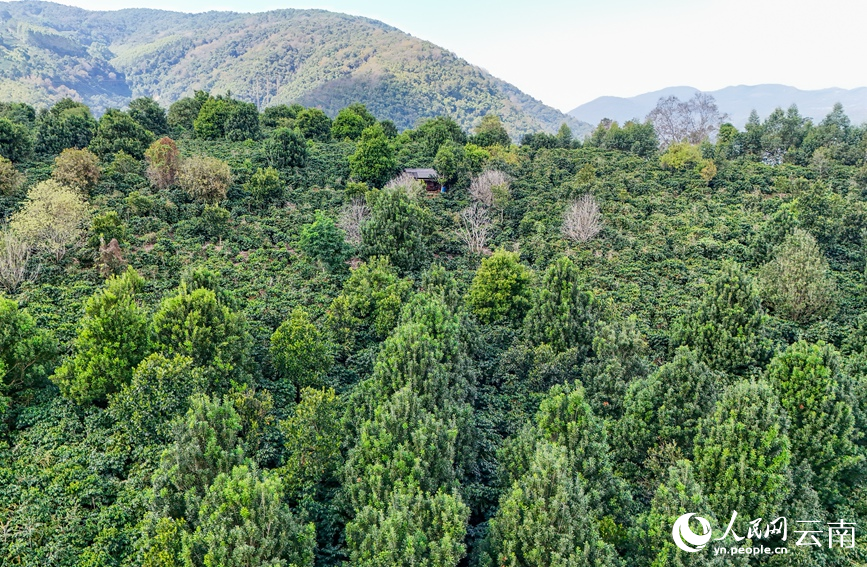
x=582, y=220
x=473, y=225
x=351, y=219
x=14, y=260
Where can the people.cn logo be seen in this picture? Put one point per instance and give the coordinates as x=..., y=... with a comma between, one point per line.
x=685, y=538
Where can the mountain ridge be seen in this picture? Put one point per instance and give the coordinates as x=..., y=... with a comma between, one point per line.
x=736, y=100
x=312, y=57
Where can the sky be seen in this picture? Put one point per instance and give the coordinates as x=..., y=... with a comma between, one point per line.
x=566, y=53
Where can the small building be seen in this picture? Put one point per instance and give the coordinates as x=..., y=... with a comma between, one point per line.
x=430, y=177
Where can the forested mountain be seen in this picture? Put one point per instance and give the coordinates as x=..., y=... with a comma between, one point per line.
x=736, y=101
x=311, y=57
x=242, y=339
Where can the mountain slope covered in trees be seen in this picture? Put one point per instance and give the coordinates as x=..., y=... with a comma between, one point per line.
x=245, y=339
x=311, y=57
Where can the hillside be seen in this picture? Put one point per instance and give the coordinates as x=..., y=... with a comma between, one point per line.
x=736, y=101
x=313, y=57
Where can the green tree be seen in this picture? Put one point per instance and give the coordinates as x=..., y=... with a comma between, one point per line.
x=742, y=452
x=806, y=378
x=26, y=350
x=183, y=113
x=324, y=242
x=680, y=493
x=796, y=282
x=243, y=521
x=68, y=124
x=243, y=122
x=15, y=141
x=286, y=148
x=351, y=122
x=313, y=439
x=727, y=329
x=665, y=408
x=619, y=357
x=280, y=115
x=210, y=123
x=265, y=186
x=150, y=115
x=491, y=132
x=314, y=124
x=112, y=339
x=545, y=520
x=118, y=132
x=11, y=179
x=373, y=161
x=564, y=313
x=413, y=528
x=300, y=353
x=205, y=443
x=193, y=323
x=396, y=230
x=450, y=161
x=501, y=289
x=369, y=304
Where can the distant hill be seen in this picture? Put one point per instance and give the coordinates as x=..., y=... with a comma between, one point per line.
x=313, y=57
x=737, y=101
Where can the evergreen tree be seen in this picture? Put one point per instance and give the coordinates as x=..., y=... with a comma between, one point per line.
x=397, y=229
x=679, y=494
x=314, y=124
x=742, y=452
x=300, y=353
x=369, y=304
x=619, y=358
x=796, y=281
x=491, y=132
x=564, y=313
x=666, y=407
x=286, y=148
x=324, y=242
x=149, y=115
x=15, y=141
x=727, y=328
x=243, y=521
x=68, y=124
x=351, y=122
x=412, y=529
x=821, y=430
x=25, y=351
x=545, y=519
x=194, y=323
x=206, y=443
x=112, y=339
x=118, y=132
x=501, y=290
x=373, y=161
x=265, y=186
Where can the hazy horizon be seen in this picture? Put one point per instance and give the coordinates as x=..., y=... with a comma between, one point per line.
x=622, y=48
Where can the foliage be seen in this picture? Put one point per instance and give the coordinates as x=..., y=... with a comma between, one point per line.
x=796, y=281
x=501, y=288
x=10, y=178
x=727, y=329
x=78, y=169
x=323, y=242
x=286, y=148
x=396, y=230
x=26, y=350
x=300, y=353
x=563, y=314
x=112, y=339
x=491, y=132
x=118, y=132
x=742, y=452
x=67, y=124
x=53, y=218
x=265, y=186
x=351, y=122
x=206, y=179
x=15, y=141
x=149, y=115
x=164, y=161
x=373, y=162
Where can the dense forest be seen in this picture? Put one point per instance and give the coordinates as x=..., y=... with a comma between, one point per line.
x=50, y=51
x=242, y=338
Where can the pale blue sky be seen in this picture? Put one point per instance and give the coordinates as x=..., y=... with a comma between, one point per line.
x=567, y=53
